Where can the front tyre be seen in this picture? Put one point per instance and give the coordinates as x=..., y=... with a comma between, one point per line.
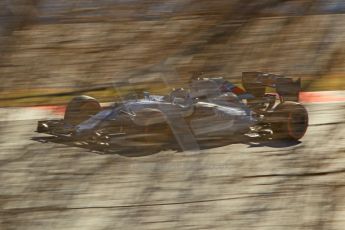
x=81, y=108
x=290, y=121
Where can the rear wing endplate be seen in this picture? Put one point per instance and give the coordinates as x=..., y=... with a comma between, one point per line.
x=256, y=83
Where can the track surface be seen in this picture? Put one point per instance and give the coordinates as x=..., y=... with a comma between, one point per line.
x=275, y=185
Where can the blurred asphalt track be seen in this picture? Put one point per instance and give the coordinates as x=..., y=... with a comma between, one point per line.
x=267, y=185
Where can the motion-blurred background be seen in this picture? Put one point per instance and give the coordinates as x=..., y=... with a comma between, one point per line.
x=51, y=47
x=51, y=50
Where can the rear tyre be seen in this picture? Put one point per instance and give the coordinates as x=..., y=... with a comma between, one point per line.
x=81, y=108
x=290, y=121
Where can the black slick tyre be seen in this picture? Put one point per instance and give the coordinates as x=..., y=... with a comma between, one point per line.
x=290, y=121
x=81, y=108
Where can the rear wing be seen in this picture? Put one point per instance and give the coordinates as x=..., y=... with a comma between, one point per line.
x=256, y=83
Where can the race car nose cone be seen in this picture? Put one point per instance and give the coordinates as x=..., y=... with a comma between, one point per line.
x=42, y=127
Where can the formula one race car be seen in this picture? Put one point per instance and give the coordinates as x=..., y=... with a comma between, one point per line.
x=212, y=107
